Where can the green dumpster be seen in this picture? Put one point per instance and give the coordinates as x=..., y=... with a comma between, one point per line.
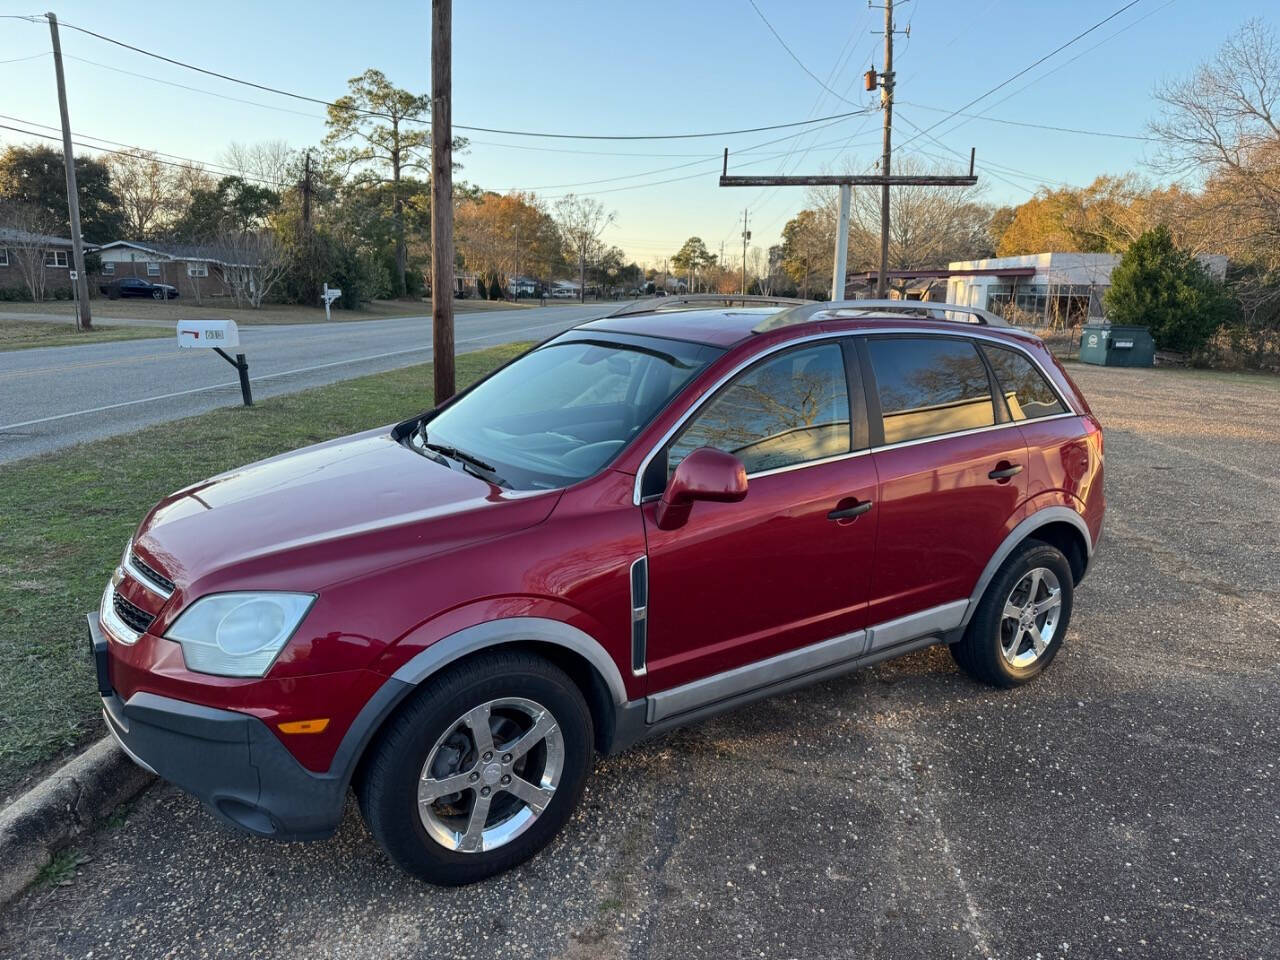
x=1115, y=346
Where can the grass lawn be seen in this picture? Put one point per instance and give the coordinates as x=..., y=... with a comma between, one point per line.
x=21, y=334
x=183, y=309
x=65, y=517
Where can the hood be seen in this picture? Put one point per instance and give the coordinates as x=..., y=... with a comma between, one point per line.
x=323, y=514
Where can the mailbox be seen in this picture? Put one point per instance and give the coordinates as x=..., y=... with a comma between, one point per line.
x=218, y=336
x=208, y=334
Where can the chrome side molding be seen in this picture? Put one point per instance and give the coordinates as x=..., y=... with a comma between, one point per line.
x=847, y=650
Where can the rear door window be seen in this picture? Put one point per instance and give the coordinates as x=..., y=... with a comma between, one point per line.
x=929, y=386
x=1026, y=392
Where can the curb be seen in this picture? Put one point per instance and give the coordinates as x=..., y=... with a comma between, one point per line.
x=81, y=793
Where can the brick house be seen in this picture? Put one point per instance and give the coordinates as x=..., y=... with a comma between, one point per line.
x=19, y=248
x=197, y=271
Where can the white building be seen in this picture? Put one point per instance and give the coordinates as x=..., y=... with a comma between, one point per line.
x=1055, y=286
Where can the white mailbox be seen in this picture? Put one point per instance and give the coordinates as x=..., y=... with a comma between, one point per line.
x=208, y=333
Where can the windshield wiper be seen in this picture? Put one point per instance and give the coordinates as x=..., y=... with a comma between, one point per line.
x=466, y=459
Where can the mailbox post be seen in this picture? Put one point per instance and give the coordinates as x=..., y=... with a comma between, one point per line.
x=216, y=335
x=329, y=294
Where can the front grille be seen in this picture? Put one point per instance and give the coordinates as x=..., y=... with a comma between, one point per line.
x=151, y=574
x=135, y=618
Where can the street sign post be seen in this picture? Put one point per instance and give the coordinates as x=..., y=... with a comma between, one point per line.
x=329, y=294
x=215, y=335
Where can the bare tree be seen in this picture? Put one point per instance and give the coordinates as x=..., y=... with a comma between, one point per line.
x=582, y=220
x=147, y=188
x=272, y=163
x=252, y=263
x=928, y=226
x=24, y=232
x=1221, y=124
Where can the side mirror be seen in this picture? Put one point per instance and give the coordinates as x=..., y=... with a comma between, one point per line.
x=705, y=474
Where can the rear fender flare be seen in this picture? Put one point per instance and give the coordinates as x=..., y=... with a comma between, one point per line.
x=1015, y=537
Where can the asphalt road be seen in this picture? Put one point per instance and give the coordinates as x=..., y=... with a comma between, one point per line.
x=1124, y=805
x=53, y=397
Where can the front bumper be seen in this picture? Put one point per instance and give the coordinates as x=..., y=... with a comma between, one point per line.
x=231, y=761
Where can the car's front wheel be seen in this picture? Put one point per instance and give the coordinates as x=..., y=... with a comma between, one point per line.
x=479, y=770
x=1022, y=618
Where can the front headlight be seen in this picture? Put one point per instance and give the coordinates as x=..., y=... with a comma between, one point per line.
x=238, y=634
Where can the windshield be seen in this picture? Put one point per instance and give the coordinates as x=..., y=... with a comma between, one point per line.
x=560, y=413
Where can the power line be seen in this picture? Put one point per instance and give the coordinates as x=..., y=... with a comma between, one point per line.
x=1025, y=70
x=1067, y=63
x=512, y=133
x=800, y=63
x=42, y=53
x=133, y=153
x=1026, y=123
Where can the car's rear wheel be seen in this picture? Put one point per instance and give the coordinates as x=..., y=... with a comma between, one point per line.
x=1021, y=620
x=479, y=770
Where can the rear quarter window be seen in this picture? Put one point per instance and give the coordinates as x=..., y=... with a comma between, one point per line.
x=1026, y=392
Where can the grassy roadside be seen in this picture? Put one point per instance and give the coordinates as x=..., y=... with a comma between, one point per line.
x=65, y=516
x=24, y=334
x=182, y=309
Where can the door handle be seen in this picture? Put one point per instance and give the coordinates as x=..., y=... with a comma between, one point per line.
x=1004, y=473
x=849, y=513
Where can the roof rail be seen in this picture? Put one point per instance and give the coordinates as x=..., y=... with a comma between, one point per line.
x=924, y=308
x=657, y=304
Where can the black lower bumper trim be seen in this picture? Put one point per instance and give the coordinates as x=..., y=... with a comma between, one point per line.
x=232, y=762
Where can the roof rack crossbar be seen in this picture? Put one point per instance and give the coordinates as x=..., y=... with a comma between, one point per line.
x=810, y=312
x=657, y=304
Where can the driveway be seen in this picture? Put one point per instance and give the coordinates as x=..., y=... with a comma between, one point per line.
x=56, y=396
x=1124, y=805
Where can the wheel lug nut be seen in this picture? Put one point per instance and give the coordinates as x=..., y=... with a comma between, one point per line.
x=475, y=776
x=506, y=778
x=506, y=758
x=488, y=756
x=484, y=791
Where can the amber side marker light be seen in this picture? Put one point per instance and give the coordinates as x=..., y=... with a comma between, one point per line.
x=305, y=726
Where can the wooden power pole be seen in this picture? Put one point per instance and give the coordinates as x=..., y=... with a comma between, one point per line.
x=442, y=196
x=83, y=320
x=886, y=101
x=884, y=179
x=746, y=235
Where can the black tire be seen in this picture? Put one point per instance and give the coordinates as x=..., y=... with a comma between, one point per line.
x=387, y=788
x=979, y=653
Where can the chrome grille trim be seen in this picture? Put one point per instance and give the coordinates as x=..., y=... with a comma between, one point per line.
x=150, y=578
x=118, y=630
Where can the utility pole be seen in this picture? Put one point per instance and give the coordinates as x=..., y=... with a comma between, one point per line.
x=306, y=193
x=517, y=233
x=83, y=320
x=746, y=235
x=442, y=196
x=886, y=101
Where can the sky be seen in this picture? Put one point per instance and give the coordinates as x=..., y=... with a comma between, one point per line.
x=609, y=68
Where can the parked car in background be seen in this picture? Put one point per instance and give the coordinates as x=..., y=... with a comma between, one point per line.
x=137, y=287
x=653, y=517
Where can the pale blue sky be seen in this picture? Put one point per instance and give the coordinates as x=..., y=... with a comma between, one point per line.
x=614, y=68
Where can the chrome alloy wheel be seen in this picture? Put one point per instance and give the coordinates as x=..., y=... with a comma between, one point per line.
x=1030, y=617
x=490, y=775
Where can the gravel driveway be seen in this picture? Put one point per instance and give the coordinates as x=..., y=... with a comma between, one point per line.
x=1124, y=805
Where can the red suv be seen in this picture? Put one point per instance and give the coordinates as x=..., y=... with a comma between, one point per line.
x=653, y=517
